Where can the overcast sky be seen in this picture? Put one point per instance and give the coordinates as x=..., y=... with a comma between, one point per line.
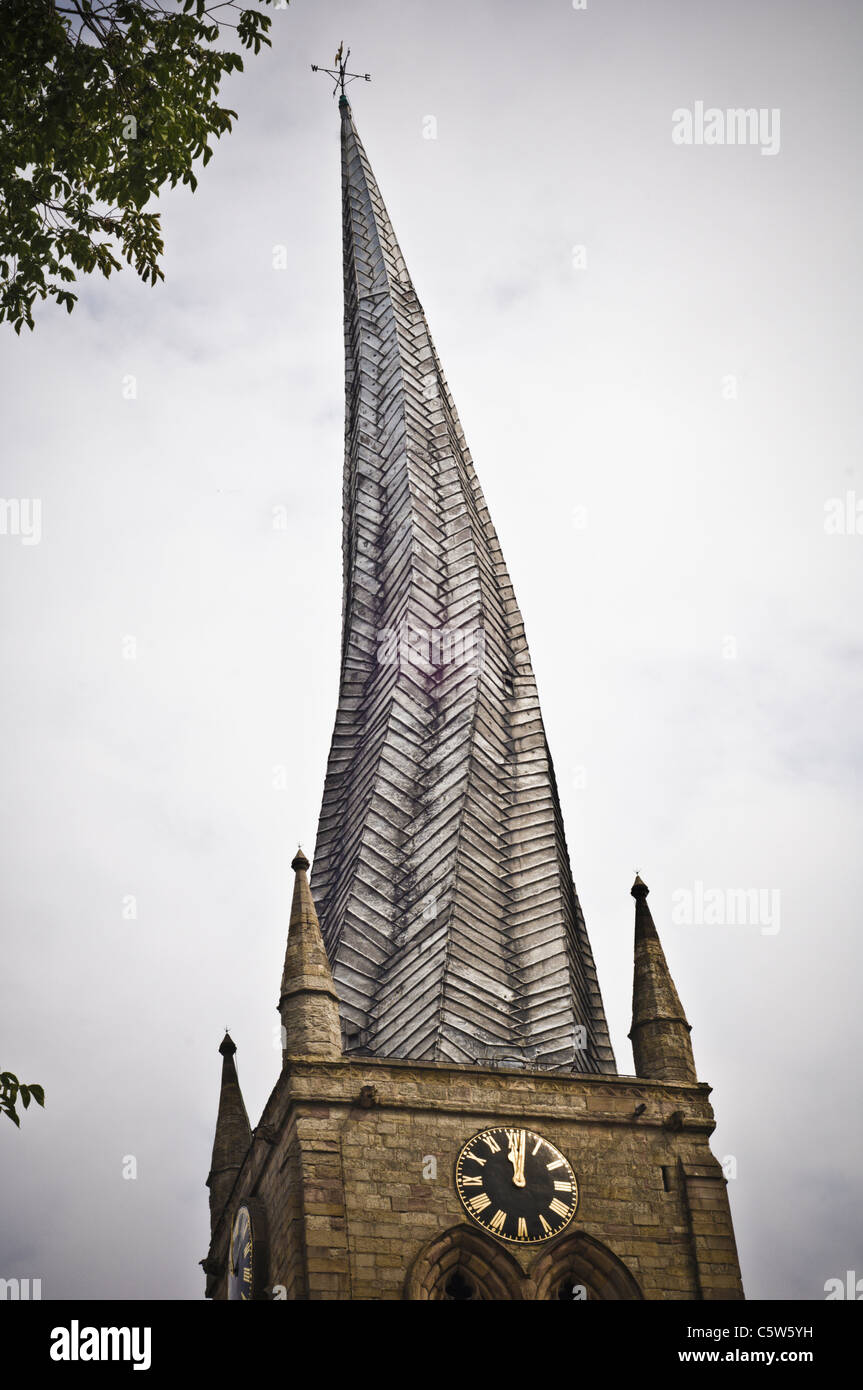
x=658, y=421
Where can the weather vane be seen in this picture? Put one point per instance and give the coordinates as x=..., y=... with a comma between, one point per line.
x=340, y=72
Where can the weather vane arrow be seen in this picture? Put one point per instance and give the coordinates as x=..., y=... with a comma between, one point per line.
x=340, y=72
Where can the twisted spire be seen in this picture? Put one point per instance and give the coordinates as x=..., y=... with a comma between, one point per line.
x=441, y=873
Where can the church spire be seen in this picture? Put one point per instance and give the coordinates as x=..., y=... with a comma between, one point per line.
x=233, y=1134
x=441, y=869
x=308, y=1003
x=661, y=1047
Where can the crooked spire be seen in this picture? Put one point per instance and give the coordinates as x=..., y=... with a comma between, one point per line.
x=661, y=1047
x=441, y=869
x=233, y=1134
x=308, y=1003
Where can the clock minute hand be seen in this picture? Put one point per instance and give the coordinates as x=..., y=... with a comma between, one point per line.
x=516, y=1156
x=519, y=1174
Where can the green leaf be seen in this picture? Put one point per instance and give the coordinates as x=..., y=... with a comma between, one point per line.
x=70, y=186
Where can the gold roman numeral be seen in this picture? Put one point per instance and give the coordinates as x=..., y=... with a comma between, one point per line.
x=563, y=1187
x=496, y=1223
x=558, y=1207
x=474, y=1159
x=473, y=1182
x=545, y=1226
x=557, y=1163
x=522, y=1228
x=478, y=1204
x=536, y=1148
x=493, y=1145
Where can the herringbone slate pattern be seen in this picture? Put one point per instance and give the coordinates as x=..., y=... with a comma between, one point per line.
x=441, y=873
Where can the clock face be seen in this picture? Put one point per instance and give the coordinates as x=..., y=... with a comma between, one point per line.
x=240, y=1259
x=516, y=1185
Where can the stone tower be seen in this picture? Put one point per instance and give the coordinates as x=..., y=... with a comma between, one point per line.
x=449, y=1122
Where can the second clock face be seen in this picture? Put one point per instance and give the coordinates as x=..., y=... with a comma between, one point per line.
x=241, y=1264
x=516, y=1185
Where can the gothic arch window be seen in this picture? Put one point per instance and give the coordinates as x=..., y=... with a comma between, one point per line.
x=578, y=1268
x=463, y=1265
x=460, y=1287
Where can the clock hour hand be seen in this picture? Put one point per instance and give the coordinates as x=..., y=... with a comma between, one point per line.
x=516, y=1155
x=519, y=1177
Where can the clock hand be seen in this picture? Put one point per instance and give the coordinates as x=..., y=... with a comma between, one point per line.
x=512, y=1153
x=516, y=1156
x=518, y=1177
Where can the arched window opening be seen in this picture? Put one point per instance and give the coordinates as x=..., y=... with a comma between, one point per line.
x=579, y=1269
x=459, y=1288
x=465, y=1266
x=572, y=1290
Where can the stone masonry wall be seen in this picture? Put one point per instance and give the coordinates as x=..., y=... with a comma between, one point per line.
x=339, y=1156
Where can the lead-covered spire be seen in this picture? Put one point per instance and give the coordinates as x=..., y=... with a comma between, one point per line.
x=441, y=872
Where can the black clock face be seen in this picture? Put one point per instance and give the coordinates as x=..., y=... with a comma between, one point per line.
x=516, y=1185
x=240, y=1260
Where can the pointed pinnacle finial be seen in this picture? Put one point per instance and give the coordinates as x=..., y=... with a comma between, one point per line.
x=661, y=1047
x=308, y=1003
x=340, y=73
x=639, y=888
x=233, y=1134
